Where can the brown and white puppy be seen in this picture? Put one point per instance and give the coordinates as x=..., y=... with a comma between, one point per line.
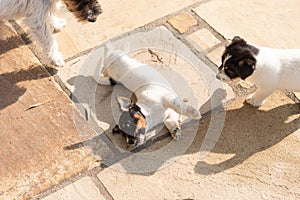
x=40, y=16
x=268, y=69
x=156, y=102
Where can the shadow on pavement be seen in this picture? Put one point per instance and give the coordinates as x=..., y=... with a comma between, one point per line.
x=248, y=131
x=9, y=40
x=10, y=92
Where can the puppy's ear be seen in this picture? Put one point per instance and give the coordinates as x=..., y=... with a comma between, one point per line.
x=108, y=49
x=238, y=39
x=125, y=103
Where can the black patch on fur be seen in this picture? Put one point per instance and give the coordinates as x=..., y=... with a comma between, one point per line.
x=112, y=81
x=84, y=9
x=242, y=61
x=128, y=123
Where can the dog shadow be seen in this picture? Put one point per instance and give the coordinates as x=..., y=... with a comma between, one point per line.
x=247, y=131
x=9, y=40
x=10, y=92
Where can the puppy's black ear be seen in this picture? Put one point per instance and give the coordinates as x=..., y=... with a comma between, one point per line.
x=246, y=67
x=238, y=39
x=125, y=103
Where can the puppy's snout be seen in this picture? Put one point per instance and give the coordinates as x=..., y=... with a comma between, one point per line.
x=131, y=141
x=92, y=19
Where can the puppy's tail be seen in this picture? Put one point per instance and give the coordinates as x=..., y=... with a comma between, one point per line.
x=181, y=108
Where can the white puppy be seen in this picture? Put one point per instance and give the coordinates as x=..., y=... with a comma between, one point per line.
x=156, y=102
x=266, y=68
x=40, y=16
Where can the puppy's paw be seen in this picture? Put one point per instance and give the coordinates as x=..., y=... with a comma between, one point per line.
x=254, y=102
x=58, y=24
x=57, y=59
x=176, y=133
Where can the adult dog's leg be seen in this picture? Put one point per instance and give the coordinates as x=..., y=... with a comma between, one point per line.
x=40, y=25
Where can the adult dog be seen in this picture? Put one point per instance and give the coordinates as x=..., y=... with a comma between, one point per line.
x=40, y=16
x=268, y=69
x=156, y=102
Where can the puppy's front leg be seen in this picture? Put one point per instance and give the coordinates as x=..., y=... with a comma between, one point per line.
x=259, y=96
x=172, y=123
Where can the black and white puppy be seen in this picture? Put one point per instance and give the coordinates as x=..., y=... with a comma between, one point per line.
x=268, y=69
x=156, y=102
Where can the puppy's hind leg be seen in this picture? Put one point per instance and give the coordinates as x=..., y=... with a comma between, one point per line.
x=41, y=31
x=180, y=107
x=172, y=123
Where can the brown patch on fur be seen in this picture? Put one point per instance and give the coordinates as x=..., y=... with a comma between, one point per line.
x=141, y=121
x=87, y=10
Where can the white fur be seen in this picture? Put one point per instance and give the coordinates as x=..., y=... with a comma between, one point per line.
x=154, y=93
x=276, y=69
x=40, y=16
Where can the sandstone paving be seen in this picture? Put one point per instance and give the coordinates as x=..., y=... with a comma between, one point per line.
x=243, y=153
x=265, y=23
x=255, y=157
x=117, y=18
x=36, y=120
x=182, y=22
x=83, y=189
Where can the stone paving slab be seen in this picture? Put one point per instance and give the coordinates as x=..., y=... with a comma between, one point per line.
x=36, y=120
x=83, y=189
x=117, y=18
x=182, y=22
x=255, y=157
x=265, y=23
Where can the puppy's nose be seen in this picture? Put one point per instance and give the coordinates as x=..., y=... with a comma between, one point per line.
x=94, y=19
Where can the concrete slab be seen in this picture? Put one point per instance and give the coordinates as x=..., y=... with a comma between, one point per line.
x=266, y=23
x=182, y=22
x=216, y=55
x=117, y=18
x=203, y=39
x=83, y=189
x=36, y=122
x=255, y=157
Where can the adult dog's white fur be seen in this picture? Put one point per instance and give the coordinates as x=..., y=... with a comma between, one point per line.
x=275, y=69
x=40, y=16
x=154, y=94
